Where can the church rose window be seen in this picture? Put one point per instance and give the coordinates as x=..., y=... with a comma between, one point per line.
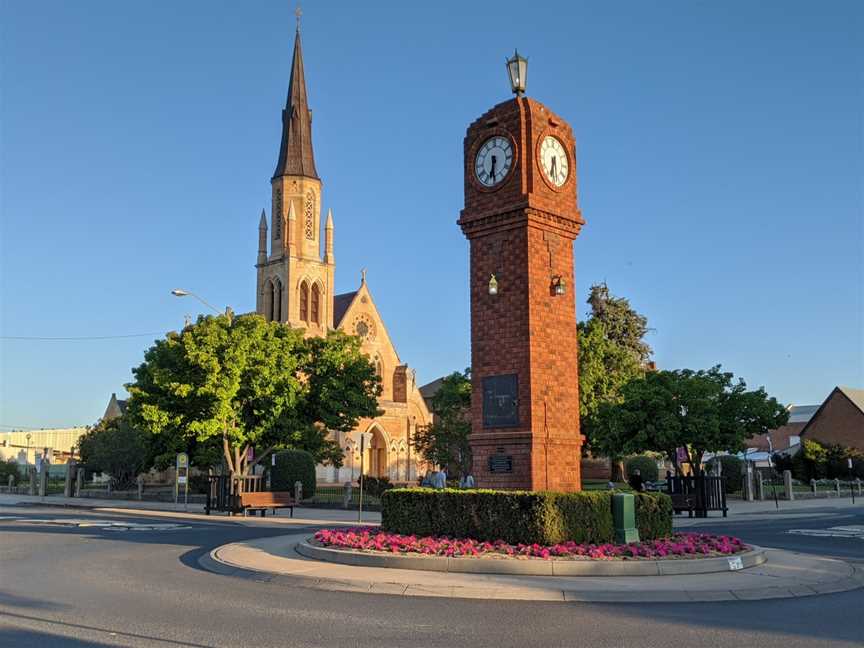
x=310, y=209
x=304, y=302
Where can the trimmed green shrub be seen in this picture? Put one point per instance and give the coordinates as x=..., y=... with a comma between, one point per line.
x=646, y=466
x=293, y=466
x=732, y=468
x=653, y=515
x=518, y=516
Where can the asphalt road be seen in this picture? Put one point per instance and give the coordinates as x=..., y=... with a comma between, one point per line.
x=71, y=586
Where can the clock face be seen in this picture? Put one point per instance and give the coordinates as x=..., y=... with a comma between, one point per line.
x=553, y=159
x=493, y=161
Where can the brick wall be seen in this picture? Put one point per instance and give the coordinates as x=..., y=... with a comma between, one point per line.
x=839, y=421
x=522, y=231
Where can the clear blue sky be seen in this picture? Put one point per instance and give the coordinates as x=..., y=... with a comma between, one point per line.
x=719, y=151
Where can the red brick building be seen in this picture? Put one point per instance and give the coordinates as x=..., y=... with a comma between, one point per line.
x=839, y=420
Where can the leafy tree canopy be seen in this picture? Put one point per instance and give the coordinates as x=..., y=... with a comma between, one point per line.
x=623, y=325
x=701, y=411
x=115, y=448
x=445, y=442
x=604, y=368
x=237, y=383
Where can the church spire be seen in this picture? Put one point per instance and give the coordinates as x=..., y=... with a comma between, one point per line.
x=295, y=153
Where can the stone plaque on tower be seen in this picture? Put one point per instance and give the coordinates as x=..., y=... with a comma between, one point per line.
x=521, y=218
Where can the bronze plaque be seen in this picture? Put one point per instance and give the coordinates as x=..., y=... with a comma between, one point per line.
x=500, y=401
x=499, y=463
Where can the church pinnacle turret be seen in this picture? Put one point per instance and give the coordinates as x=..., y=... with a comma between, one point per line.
x=295, y=153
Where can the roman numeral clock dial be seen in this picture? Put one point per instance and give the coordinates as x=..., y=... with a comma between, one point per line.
x=493, y=161
x=554, y=161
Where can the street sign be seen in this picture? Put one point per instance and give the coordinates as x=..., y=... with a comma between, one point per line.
x=182, y=479
x=250, y=454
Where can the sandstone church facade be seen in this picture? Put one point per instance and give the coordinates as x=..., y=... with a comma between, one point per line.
x=295, y=285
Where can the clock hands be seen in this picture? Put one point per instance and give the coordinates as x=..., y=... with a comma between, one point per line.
x=553, y=171
x=492, y=173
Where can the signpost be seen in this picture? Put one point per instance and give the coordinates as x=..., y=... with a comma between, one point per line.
x=182, y=479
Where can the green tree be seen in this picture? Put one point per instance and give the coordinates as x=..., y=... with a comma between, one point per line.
x=623, y=325
x=700, y=411
x=115, y=448
x=445, y=442
x=605, y=366
x=241, y=383
x=612, y=352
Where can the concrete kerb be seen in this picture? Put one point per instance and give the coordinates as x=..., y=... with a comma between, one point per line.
x=783, y=575
x=536, y=566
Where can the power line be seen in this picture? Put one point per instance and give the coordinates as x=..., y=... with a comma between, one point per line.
x=77, y=338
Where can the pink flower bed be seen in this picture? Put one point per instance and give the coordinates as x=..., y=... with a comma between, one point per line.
x=687, y=545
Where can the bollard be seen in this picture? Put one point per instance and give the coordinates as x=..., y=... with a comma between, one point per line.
x=858, y=481
x=79, y=481
x=346, y=495
x=624, y=516
x=298, y=491
x=760, y=489
x=31, y=490
x=43, y=482
x=140, y=481
x=67, y=482
x=110, y=484
x=787, y=484
x=813, y=485
x=837, y=486
x=11, y=481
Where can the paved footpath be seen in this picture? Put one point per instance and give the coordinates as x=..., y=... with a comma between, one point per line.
x=784, y=575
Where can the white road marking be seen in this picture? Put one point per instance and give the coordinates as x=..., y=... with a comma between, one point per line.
x=108, y=525
x=851, y=531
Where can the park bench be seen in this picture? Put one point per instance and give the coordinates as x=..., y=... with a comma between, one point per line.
x=262, y=500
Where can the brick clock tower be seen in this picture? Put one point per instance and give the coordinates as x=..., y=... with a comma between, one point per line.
x=521, y=217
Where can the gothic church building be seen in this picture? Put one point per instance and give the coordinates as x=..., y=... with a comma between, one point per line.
x=295, y=285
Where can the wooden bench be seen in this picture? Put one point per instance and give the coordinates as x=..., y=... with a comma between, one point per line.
x=261, y=501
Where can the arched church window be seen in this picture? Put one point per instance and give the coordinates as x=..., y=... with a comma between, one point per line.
x=268, y=300
x=379, y=367
x=316, y=304
x=276, y=315
x=304, y=301
x=310, y=216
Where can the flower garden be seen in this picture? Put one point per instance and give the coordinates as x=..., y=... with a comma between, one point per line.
x=676, y=546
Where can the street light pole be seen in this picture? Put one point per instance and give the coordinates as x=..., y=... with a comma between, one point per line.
x=179, y=292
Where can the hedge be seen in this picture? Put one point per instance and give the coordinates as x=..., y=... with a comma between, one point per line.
x=518, y=516
x=293, y=466
x=653, y=515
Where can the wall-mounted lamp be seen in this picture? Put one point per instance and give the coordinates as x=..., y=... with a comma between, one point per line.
x=493, y=285
x=559, y=286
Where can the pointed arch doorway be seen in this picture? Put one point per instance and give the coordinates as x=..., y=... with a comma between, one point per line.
x=375, y=461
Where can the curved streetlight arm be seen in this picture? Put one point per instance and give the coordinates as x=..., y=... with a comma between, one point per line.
x=179, y=292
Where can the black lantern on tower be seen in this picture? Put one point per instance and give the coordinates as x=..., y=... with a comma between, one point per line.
x=517, y=69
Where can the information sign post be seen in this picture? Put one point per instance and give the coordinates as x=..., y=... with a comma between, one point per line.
x=182, y=479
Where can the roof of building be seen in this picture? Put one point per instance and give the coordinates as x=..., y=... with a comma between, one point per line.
x=429, y=390
x=295, y=153
x=801, y=413
x=854, y=395
x=340, y=306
